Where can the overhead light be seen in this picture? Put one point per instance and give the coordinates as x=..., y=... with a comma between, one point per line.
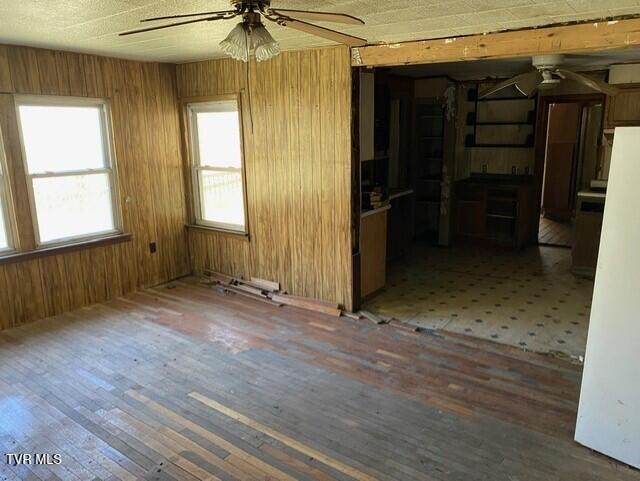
x=249, y=35
x=548, y=81
x=236, y=45
x=264, y=45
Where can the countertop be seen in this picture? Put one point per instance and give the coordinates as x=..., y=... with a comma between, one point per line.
x=497, y=179
x=590, y=195
x=395, y=193
x=366, y=213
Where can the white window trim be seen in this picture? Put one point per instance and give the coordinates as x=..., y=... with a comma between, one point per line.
x=6, y=212
x=196, y=168
x=110, y=168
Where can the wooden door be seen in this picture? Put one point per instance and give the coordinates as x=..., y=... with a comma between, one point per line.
x=560, y=160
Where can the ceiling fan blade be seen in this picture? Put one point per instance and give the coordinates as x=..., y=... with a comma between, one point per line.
x=318, y=16
x=523, y=82
x=226, y=13
x=528, y=83
x=323, y=32
x=591, y=82
x=159, y=27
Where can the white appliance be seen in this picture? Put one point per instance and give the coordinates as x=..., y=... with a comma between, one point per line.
x=609, y=412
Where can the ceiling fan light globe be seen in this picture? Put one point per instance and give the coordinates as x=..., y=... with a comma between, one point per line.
x=236, y=45
x=267, y=52
x=264, y=45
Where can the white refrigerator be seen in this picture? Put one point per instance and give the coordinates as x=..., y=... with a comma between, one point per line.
x=609, y=411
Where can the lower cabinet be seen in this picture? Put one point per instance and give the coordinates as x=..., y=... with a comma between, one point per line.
x=471, y=218
x=498, y=213
x=373, y=252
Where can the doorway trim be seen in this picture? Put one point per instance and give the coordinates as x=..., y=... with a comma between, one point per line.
x=540, y=145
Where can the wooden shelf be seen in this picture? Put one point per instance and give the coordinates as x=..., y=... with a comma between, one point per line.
x=510, y=200
x=502, y=123
x=499, y=99
x=515, y=146
x=431, y=131
x=512, y=123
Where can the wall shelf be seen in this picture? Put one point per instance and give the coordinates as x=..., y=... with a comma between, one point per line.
x=500, y=99
x=498, y=124
x=502, y=123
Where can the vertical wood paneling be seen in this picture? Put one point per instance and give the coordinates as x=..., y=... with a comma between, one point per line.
x=297, y=135
x=6, y=83
x=23, y=64
x=146, y=133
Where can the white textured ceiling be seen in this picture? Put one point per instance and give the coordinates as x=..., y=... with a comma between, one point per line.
x=92, y=25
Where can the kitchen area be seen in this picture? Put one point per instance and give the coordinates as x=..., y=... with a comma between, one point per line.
x=457, y=187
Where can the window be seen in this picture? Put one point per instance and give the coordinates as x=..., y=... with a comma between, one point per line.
x=70, y=170
x=6, y=238
x=216, y=149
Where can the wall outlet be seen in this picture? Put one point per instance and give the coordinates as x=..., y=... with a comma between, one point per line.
x=514, y=170
x=484, y=168
x=153, y=248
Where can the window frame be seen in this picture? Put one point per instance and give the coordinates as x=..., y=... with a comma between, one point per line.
x=110, y=168
x=6, y=206
x=193, y=106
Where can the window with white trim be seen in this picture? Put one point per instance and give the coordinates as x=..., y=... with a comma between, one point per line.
x=69, y=164
x=6, y=237
x=217, y=163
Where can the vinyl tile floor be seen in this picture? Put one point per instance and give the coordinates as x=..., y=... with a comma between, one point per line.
x=528, y=298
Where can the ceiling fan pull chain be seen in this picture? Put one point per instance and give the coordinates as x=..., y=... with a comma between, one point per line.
x=248, y=87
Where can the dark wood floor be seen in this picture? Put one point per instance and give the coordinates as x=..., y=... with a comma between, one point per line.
x=183, y=383
x=555, y=233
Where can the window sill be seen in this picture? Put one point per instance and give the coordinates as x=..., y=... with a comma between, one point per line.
x=51, y=251
x=213, y=230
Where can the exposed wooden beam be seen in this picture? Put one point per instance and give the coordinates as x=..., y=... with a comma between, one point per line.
x=585, y=37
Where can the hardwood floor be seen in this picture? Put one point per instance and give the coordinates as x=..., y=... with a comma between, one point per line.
x=181, y=383
x=555, y=233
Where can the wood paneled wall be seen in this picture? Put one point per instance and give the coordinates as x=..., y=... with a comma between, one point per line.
x=297, y=136
x=147, y=143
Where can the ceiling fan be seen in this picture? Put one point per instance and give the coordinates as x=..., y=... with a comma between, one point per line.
x=547, y=74
x=251, y=35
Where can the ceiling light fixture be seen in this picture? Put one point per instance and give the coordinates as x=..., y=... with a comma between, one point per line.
x=264, y=45
x=236, y=45
x=250, y=35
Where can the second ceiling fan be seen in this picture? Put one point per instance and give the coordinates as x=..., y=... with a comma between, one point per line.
x=548, y=73
x=251, y=35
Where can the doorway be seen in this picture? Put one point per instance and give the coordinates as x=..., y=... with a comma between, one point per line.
x=571, y=129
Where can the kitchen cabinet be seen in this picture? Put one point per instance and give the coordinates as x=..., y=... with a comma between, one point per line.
x=495, y=209
x=471, y=218
x=588, y=226
x=373, y=250
x=624, y=108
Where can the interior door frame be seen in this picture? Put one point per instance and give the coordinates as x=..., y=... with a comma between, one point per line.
x=540, y=145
